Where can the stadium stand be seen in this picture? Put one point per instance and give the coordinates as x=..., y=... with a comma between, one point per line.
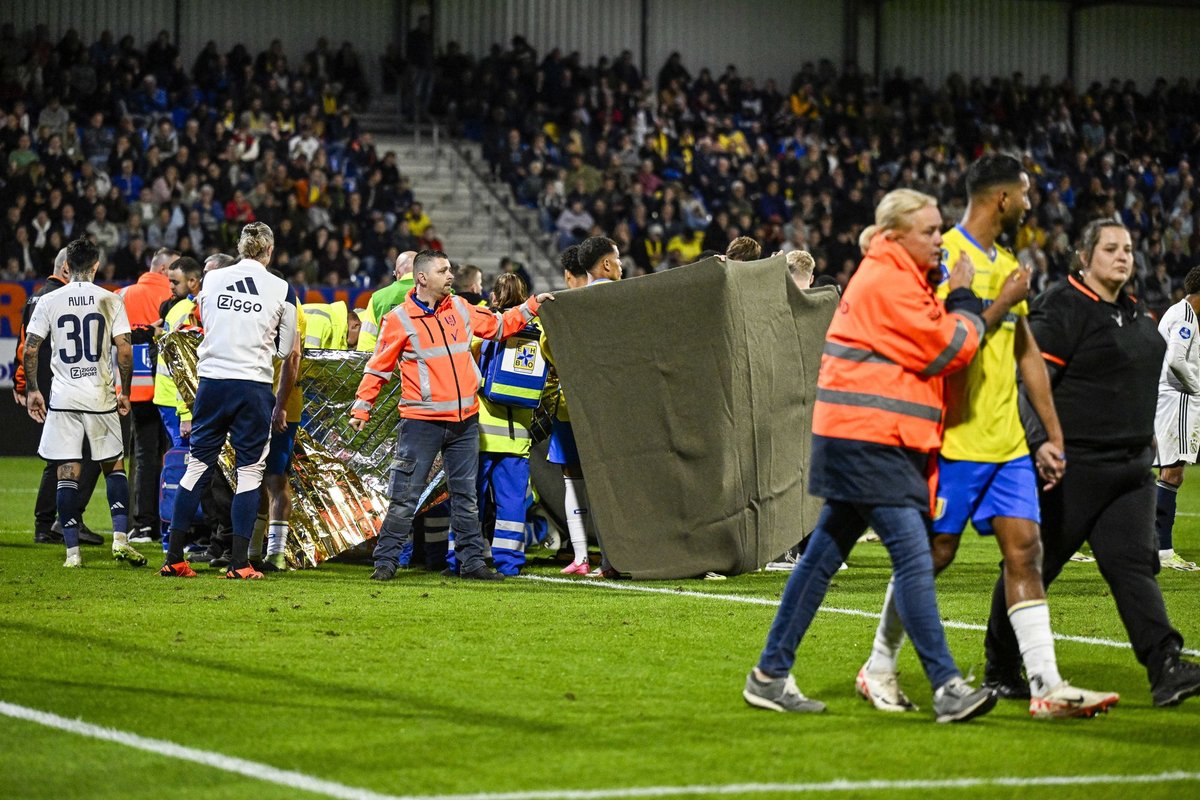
x=138, y=151
x=665, y=164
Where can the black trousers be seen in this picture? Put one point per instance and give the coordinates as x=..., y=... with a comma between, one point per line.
x=149, y=444
x=45, y=508
x=1108, y=502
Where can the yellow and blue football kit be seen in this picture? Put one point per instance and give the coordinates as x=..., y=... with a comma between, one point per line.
x=984, y=469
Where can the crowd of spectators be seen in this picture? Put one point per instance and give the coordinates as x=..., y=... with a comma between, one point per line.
x=678, y=163
x=132, y=148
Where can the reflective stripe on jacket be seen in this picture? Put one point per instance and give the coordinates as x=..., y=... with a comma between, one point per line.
x=889, y=345
x=142, y=301
x=439, y=377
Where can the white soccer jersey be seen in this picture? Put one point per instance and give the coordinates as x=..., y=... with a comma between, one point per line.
x=1181, y=366
x=1176, y=423
x=249, y=319
x=80, y=321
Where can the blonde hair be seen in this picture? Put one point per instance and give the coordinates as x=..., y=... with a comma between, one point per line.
x=894, y=213
x=800, y=262
x=256, y=240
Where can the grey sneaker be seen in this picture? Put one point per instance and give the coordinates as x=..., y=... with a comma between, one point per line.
x=779, y=694
x=956, y=701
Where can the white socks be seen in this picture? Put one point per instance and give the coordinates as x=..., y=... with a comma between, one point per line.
x=120, y=539
x=576, y=506
x=277, y=534
x=1031, y=623
x=889, y=636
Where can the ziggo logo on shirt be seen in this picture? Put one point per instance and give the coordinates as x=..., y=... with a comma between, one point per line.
x=237, y=304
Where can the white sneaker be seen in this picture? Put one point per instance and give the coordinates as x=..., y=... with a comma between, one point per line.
x=1066, y=700
x=785, y=563
x=869, y=536
x=883, y=690
x=73, y=561
x=1177, y=562
x=1081, y=557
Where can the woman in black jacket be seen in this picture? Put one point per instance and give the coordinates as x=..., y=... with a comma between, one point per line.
x=1104, y=354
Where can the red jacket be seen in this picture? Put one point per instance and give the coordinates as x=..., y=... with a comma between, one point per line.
x=889, y=345
x=439, y=377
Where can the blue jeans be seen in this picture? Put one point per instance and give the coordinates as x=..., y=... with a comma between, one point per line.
x=904, y=531
x=417, y=444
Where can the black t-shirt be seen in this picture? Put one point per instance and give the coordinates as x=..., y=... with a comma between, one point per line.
x=1104, y=361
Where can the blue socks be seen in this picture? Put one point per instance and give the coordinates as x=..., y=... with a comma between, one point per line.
x=116, y=485
x=68, y=511
x=1164, y=515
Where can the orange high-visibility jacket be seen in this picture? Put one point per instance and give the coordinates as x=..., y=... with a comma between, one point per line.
x=142, y=301
x=439, y=377
x=886, y=352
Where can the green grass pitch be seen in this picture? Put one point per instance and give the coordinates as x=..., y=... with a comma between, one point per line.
x=427, y=686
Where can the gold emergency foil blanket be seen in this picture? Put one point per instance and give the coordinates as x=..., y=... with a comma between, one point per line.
x=339, y=476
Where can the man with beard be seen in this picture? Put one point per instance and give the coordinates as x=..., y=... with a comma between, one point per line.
x=985, y=474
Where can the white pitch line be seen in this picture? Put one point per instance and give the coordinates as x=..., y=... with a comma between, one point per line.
x=240, y=766
x=308, y=783
x=850, y=612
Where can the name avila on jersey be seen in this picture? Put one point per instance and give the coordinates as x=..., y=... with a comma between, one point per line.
x=75, y=300
x=244, y=286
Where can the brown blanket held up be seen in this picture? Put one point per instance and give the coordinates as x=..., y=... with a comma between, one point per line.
x=691, y=395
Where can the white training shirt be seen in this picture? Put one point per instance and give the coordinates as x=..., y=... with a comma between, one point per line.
x=80, y=320
x=249, y=319
x=1181, y=365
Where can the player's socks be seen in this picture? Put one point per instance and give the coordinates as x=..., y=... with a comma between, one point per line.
x=1164, y=517
x=241, y=552
x=187, y=502
x=116, y=485
x=277, y=535
x=68, y=511
x=243, y=512
x=1031, y=623
x=576, y=504
x=73, y=553
x=889, y=636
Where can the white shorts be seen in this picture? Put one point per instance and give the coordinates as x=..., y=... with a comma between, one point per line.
x=1177, y=428
x=64, y=432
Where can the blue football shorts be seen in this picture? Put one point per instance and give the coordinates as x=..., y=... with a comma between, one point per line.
x=979, y=491
x=562, y=448
x=279, y=458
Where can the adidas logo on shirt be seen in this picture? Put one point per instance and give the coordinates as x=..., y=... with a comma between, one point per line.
x=244, y=286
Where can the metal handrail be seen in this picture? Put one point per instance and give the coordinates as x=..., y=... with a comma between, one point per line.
x=540, y=260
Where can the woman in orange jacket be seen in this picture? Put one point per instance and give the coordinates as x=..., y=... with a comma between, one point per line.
x=877, y=426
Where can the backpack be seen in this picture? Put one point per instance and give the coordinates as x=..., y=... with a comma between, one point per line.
x=514, y=371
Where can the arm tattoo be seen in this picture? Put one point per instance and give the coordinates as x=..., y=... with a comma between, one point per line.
x=125, y=362
x=33, y=346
